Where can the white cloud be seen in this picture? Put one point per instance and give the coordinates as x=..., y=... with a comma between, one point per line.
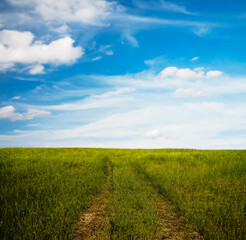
x=6, y=66
x=62, y=29
x=183, y=73
x=105, y=100
x=96, y=58
x=168, y=72
x=169, y=6
x=122, y=117
x=131, y=23
x=8, y=112
x=15, y=39
x=199, y=69
x=12, y=19
x=105, y=49
x=162, y=5
x=84, y=11
x=18, y=47
x=194, y=59
x=187, y=73
x=187, y=92
x=37, y=69
x=60, y=18
x=130, y=38
x=63, y=16
x=34, y=125
x=117, y=92
x=109, y=52
x=153, y=134
x=214, y=74
x=16, y=98
x=202, y=29
x=90, y=103
x=192, y=125
x=33, y=113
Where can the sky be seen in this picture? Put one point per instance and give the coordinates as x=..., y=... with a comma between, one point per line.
x=123, y=74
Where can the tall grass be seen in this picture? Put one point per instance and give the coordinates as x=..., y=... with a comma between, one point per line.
x=43, y=191
x=133, y=209
x=209, y=187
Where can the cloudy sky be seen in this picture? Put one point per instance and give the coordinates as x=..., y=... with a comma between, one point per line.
x=128, y=74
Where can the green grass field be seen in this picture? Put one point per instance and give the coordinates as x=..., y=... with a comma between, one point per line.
x=43, y=192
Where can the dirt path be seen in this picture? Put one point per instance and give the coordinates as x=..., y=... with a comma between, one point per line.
x=95, y=222
x=173, y=226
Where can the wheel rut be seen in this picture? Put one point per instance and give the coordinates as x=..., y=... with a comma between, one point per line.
x=94, y=224
x=172, y=225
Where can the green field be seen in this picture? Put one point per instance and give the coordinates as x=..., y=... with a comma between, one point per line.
x=43, y=192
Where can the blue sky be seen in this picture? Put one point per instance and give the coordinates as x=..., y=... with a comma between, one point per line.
x=128, y=74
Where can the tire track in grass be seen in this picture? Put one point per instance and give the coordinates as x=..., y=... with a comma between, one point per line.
x=94, y=224
x=172, y=225
x=132, y=213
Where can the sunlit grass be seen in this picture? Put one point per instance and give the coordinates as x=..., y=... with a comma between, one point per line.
x=209, y=187
x=44, y=191
x=133, y=213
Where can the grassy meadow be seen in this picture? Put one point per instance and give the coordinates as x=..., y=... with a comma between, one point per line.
x=43, y=192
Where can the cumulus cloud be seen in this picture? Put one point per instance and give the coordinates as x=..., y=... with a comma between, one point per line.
x=16, y=39
x=187, y=73
x=114, y=121
x=8, y=112
x=168, y=72
x=187, y=92
x=177, y=122
x=18, y=47
x=213, y=74
x=153, y=134
x=84, y=11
